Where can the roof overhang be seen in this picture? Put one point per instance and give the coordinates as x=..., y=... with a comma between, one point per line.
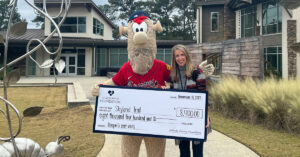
x=81, y=42
x=76, y=3
x=73, y=42
x=290, y=4
x=88, y=42
x=240, y=4
x=207, y=3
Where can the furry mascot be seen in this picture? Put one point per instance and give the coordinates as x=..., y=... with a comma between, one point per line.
x=142, y=70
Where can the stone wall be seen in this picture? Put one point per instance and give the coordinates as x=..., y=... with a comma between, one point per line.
x=229, y=23
x=291, y=39
x=240, y=57
x=272, y=40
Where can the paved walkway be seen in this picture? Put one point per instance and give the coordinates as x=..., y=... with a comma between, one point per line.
x=217, y=145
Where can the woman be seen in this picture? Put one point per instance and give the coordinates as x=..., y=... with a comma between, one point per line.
x=185, y=77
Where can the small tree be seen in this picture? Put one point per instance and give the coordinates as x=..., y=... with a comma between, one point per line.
x=106, y=10
x=39, y=21
x=5, y=13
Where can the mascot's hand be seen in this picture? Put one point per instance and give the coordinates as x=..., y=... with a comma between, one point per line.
x=95, y=90
x=208, y=69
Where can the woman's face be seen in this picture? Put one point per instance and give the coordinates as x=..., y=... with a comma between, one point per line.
x=180, y=58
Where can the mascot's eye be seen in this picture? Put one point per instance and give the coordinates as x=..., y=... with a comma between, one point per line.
x=143, y=27
x=139, y=28
x=135, y=27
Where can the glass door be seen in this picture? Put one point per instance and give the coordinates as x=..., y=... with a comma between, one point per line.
x=71, y=64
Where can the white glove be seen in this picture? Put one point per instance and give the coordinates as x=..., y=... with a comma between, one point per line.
x=95, y=90
x=207, y=69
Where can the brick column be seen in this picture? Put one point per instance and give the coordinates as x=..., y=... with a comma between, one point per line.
x=291, y=38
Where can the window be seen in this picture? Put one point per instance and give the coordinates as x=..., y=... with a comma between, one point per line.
x=164, y=55
x=101, y=58
x=248, y=21
x=117, y=57
x=72, y=25
x=273, y=61
x=272, y=17
x=214, y=16
x=214, y=59
x=101, y=61
x=31, y=68
x=114, y=58
x=81, y=62
x=98, y=27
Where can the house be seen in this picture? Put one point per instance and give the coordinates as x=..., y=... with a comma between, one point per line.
x=275, y=26
x=215, y=21
x=88, y=45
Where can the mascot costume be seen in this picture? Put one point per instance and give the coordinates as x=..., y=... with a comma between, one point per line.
x=142, y=70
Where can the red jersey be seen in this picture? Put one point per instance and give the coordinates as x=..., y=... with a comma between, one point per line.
x=155, y=78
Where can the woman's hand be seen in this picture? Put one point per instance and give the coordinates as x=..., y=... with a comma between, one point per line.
x=208, y=121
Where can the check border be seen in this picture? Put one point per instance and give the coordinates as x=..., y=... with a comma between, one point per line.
x=152, y=135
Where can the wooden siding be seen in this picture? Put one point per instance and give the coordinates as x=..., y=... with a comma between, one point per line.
x=241, y=57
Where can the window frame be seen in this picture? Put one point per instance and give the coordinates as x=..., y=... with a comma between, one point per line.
x=265, y=26
x=277, y=53
x=246, y=13
x=81, y=56
x=211, y=21
x=76, y=51
x=97, y=24
x=31, y=66
x=70, y=25
x=164, y=54
x=118, y=52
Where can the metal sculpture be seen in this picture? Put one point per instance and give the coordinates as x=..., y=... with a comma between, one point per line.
x=27, y=147
x=30, y=148
x=19, y=29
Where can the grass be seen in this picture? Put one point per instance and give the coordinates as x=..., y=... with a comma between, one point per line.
x=263, y=141
x=54, y=120
x=273, y=103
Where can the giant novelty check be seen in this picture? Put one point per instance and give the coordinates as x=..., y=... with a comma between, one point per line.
x=151, y=112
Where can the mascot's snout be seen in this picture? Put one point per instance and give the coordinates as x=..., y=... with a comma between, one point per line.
x=140, y=38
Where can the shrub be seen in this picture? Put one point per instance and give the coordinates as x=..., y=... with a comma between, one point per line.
x=2, y=72
x=272, y=102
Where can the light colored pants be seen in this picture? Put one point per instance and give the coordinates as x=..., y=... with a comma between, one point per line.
x=131, y=146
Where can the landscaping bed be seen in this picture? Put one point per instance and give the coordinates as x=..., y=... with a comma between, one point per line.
x=262, y=114
x=54, y=120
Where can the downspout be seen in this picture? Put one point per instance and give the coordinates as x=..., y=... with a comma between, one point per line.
x=94, y=68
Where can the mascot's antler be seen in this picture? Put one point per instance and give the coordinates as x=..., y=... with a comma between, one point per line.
x=122, y=29
x=158, y=27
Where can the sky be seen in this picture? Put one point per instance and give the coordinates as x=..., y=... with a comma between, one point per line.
x=27, y=12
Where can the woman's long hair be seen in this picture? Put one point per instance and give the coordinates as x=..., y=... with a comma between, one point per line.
x=175, y=66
